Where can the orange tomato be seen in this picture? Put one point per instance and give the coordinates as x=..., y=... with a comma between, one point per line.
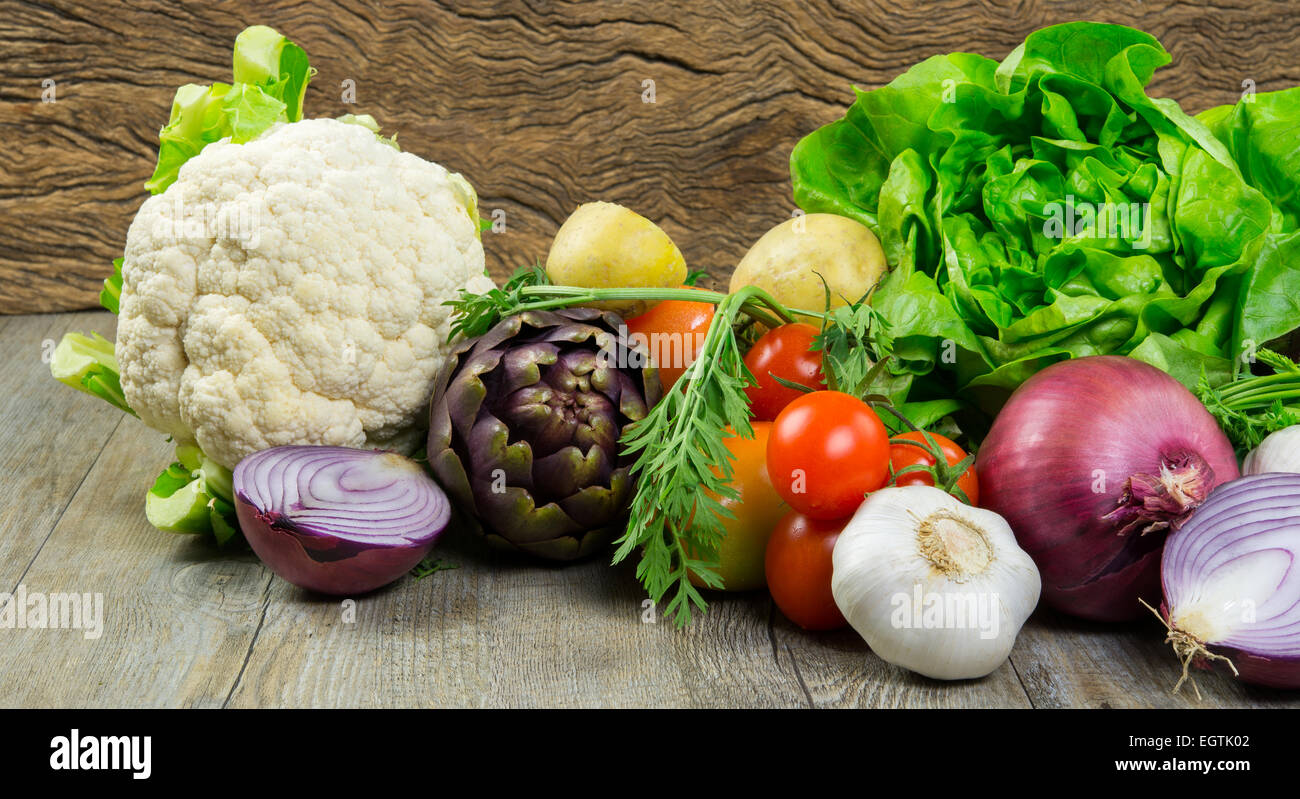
x=674, y=331
x=756, y=511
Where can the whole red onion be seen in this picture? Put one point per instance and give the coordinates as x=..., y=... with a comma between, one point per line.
x=1092, y=462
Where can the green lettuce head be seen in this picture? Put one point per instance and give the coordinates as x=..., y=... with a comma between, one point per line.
x=1046, y=208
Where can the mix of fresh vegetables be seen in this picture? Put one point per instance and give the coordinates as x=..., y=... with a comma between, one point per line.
x=1015, y=347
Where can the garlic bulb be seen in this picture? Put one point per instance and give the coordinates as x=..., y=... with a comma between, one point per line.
x=933, y=585
x=1280, y=452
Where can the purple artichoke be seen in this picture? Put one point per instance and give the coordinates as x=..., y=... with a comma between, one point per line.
x=524, y=429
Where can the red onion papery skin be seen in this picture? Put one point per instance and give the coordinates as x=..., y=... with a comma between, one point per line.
x=1057, y=464
x=1244, y=524
x=322, y=560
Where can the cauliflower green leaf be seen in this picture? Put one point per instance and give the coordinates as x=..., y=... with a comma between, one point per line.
x=88, y=364
x=111, y=294
x=277, y=66
x=193, y=496
x=270, y=78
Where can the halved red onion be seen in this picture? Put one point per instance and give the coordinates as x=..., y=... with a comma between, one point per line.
x=338, y=520
x=1231, y=579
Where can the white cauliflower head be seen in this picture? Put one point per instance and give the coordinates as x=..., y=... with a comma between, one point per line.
x=290, y=291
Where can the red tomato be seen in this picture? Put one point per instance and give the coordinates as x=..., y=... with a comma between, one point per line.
x=798, y=566
x=826, y=451
x=674, y=331
x=904, y=455
x=786, y=352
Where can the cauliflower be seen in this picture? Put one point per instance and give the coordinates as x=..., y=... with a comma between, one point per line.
x=290, y=290
x=283, y=285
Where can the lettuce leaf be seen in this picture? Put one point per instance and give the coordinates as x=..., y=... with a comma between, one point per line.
x=1046, y=207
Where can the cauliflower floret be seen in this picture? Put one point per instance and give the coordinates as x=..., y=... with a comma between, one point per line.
x=289, y=291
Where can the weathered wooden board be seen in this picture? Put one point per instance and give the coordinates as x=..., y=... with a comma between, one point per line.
x=498, y=632
x=51, y=437
x=1065, y=662
x=178, y=618
x=186, y=625
x=489, y=633
x=539, y=104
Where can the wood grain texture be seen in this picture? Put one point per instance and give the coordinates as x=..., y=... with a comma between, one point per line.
x=186, y=625
x=498, y=631
x=1065, y=662
x=538, y=104
x=53, y=436
x=178, y=617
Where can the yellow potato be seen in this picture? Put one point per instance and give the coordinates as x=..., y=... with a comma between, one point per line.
x=785, y=262
x=602, y=245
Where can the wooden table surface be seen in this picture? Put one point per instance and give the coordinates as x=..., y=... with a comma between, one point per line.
x=186, y=625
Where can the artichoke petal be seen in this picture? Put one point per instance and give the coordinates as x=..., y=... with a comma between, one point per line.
x=465, y=393
x=593, y=504
x=632, y=403
x=571, y=470
x=514, y=515
x=521, y=366
x=452, y=477
x=500, y=462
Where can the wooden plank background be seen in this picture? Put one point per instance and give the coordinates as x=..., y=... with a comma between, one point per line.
x=539, y=104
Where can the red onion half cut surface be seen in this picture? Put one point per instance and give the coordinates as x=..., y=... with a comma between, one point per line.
x=1231, y=579
x=338, y=520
